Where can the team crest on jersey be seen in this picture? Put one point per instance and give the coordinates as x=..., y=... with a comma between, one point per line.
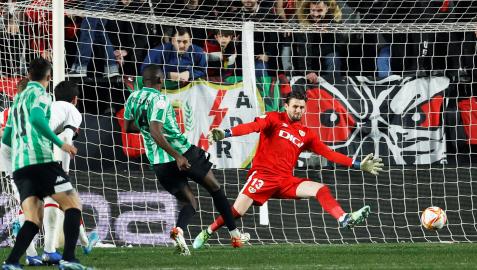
x=302, y=133
x=252, y=190
x=161, y=104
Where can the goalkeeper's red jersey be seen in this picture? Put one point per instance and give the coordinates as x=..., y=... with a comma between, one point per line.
x=282, y=141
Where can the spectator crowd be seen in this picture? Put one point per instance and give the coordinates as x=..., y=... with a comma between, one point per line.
x=110, y=48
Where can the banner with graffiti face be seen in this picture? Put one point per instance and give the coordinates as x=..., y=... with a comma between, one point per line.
x=201, y=106
x=398, y=119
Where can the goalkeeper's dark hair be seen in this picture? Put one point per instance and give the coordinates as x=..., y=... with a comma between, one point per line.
x=39, y=69
x=66, y=91
x=152, y=76
x=300, y=95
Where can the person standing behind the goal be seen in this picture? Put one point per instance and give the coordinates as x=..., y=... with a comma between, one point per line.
x=282, y=139
x=35, y=172
x=173, y=157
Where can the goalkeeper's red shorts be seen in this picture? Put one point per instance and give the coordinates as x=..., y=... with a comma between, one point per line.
x=261, y=187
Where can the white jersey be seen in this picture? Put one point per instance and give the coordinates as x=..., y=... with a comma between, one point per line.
x=3, y=117
x=64, y=115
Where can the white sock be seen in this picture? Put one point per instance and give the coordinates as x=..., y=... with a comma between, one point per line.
x=235, y=233
x=209, y=230
x=83, y=237
x=342, y=217
x=31, y=250
x=50, y=214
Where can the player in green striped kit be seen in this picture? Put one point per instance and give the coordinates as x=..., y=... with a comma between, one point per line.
x=35, y=172
x=173, y=157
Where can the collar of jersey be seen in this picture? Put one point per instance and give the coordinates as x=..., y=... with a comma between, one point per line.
x=36, y=84
x=150, y=89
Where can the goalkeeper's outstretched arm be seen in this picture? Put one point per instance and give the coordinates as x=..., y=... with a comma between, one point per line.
x=218, y=134
x=369, y=164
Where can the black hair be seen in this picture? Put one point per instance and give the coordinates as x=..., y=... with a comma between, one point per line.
x=226, y=33
x=152, y=75
x=66, y=91
x=180, y=31
x=300, y=95
x=39, y=69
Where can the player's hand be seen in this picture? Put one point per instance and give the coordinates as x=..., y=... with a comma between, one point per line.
x=312, y=77
x=70, y=149
x=372, y=164
x=215, y=135
x=182, y=163
x=1, y=132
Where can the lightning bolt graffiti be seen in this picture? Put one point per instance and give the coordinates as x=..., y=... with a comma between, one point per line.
x=218, y=115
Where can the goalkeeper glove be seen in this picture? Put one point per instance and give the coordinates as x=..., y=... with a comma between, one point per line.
x=218, y=134
x=369, y=164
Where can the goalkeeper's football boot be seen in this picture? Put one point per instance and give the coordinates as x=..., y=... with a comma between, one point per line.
x=50, y=258
x=201, y=239
x=355, y=218
x=34, y=261
x=72, y=265
x=93, y=238
x=15, y=266
x=178, y=236
x=239, y=241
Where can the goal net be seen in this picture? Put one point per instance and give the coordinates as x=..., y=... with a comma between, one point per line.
x=392, y=78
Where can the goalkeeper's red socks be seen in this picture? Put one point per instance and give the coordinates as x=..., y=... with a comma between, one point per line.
x=329, y=203
x=219, y=221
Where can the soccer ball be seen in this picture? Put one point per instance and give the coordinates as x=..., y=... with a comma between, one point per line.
x=433, y=218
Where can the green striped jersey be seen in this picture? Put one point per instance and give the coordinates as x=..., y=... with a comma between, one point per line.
x=28, y=146
x=147, y=105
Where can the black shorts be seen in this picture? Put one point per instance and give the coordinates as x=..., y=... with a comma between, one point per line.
x=174, y=180
x=41, y=180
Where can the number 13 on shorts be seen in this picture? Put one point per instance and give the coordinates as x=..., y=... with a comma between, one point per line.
x=255, y=185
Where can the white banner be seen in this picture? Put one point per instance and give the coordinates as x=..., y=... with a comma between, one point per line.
x=201, y=106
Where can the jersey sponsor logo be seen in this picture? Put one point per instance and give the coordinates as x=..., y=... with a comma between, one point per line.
x=286, y=135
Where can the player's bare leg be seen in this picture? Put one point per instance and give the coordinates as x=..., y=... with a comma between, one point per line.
x=309, y=189
x=240, y=207
x=222, y=204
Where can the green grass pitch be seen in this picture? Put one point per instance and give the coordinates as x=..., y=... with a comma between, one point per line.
x=362, y=256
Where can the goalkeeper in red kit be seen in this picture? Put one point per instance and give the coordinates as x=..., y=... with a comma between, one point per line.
x=282, y=139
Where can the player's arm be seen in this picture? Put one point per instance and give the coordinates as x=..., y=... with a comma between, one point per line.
x=369, y=164
x=7, y=133
x=259, y=124
x=70, y=131
x=7, y=136
x=155, y=127
x=130, y=127
x=40, y=123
